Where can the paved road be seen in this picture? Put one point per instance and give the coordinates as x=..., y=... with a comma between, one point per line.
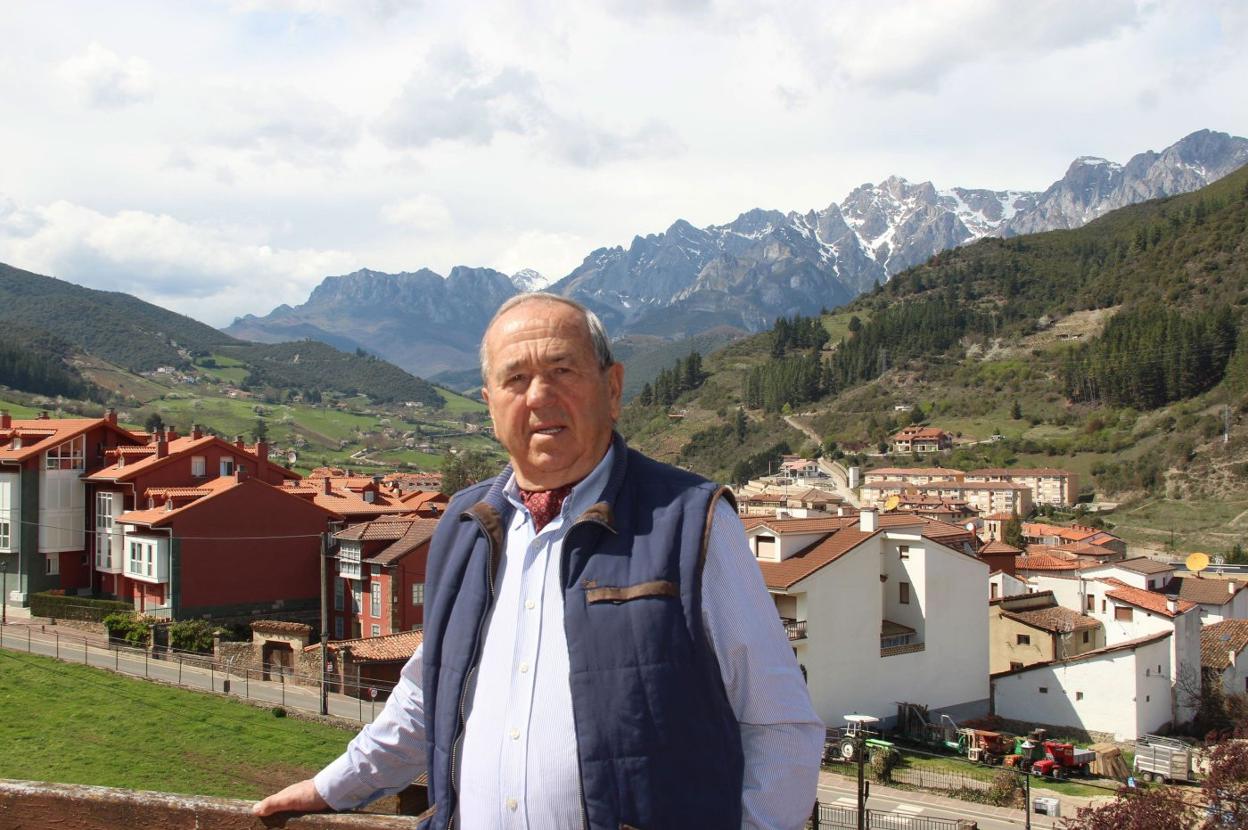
x=137, y=664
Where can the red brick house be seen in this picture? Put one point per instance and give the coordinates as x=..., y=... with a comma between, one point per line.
x=44, y=541
x=165, y=461
x=378, y=577
x=229, y=547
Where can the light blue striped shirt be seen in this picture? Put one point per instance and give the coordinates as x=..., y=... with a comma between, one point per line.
x=519, y=754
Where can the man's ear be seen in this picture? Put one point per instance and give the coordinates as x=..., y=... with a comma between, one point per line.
x=615, y=387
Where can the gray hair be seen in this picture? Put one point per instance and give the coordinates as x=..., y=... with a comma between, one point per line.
x=597, y=331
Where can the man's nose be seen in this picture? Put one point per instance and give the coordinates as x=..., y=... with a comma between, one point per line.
x=539, y=391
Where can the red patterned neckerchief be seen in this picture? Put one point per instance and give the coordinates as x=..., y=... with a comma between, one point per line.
x=544, y=505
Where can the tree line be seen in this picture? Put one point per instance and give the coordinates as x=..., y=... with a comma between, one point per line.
x=685, y=375
x=1148, y=357
x=44, y=374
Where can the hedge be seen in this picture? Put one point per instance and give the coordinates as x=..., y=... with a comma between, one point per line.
x=61, y=607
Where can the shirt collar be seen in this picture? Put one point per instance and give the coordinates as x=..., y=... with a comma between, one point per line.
x=586, y=492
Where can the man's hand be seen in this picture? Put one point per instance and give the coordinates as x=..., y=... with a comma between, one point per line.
x=297, y=798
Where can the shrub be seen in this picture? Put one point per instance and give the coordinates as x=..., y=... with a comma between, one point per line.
x=58, y=606
x=279, y=712
x=191, y=635
x=883, y=762
x=129, y=626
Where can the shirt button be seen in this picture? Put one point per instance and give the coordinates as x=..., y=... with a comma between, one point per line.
x=530, y=604
x=515, y=734
x=524, y=668
x=512, y=804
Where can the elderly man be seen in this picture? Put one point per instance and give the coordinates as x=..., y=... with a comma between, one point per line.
x=599, y=649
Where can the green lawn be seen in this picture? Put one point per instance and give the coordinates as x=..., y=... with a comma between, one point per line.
x=78, y=725
x=962, y=766
x=17, y=410
x=457, y=404
x=1208, y=525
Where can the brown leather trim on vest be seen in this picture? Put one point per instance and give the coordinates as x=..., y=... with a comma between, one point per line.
x=430, y=813
x=610, y=593
x=489, y=519
x=599, y=513
x=721, y=493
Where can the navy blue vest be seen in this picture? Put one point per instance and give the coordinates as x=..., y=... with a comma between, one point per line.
x=658, y=744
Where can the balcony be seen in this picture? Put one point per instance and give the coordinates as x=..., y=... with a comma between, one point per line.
x=796, y=629
x=896, y=638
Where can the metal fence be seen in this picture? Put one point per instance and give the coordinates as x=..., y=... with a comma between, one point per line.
x=832, y=815
x=933, y=779
x=273, y=685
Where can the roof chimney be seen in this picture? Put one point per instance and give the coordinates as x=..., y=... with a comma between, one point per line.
x=261, y=450
x=42, y=416
x=170, y=433
x=1230, y=587
x=868, y=520
x=162, y=448
x=1172, y=604
x=240, y=473
x=326, y=486
x=110, y=416
x=238, y=442
x=6, y=420
x=196, y=432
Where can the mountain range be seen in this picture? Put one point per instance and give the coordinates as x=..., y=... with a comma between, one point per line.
x=743, y=274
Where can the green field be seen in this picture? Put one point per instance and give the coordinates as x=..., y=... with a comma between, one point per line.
x=1207, y=525
x=79, y=725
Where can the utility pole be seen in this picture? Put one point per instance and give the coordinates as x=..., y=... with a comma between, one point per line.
x=1226, y=424
x=860, y=749
x=4, y=590
x=324, y=623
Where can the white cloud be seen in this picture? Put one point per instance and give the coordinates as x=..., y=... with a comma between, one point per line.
x=186, y=267
x=103, y=79
x=456, y=98
x=423, y=213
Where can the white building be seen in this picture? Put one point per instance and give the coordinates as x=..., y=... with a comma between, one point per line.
x=1219, y=599
x=880, y=611
x=1094, y=691
x=1222, y=654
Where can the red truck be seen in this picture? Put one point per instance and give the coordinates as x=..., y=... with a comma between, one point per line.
x=1061, y=760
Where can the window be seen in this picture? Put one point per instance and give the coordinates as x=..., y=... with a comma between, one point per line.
x=1085, y=636
x=67, y=456
x=376, y=631
x=357, y=600
x=1015, y=666
x=1102, y=606
x=6, y=535
x=1078, y=695
x=1124, y=613
x=338, y=594
x=136, y=558
x=1091, y=602
x=375, y=570
x=1024, y=639
x=199, y=466
x=903, y=593
x=418, y=593
x=992, y=591
x=1044, y=690
x=375, y=600
x=338, y=628
x=227, y=466
x=766, y=546
x=903, y=551
x=52, y=564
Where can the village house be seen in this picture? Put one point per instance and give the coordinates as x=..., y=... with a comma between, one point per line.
x=1059, y=488
x=1222, y=656
x=983, y=497
x=167, y=460
x=1219, y=598
x=1033, y=628
x=377, y=577
x=428, y=503
x=1117, y=692
x=355, y=499
x=879, y=610
x=921, y=440
x=44, y=501
x=368, y=667
x=1000, y=557
x=911, y=475
x=1039, y=533
x=1002, y=584
x=229, y=547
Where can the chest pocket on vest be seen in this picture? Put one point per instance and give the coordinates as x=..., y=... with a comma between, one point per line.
x=595, y=593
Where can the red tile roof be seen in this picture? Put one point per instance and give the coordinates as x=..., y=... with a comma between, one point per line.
x=1144, y=565
x=1218, y=640
x=387, y=649
x=1046, y=562
x=1019, y=471
x=42, y=434
x=179, y=448
x=1148, y=600
x=917, y=471
x=1203, y=590
x=1054, y=618
x=417, y=535
x=161, y=514
x=1074, y=534
x=783, y=575
x=997, y=546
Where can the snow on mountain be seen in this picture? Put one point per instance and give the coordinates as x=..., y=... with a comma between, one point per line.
x=526, y=279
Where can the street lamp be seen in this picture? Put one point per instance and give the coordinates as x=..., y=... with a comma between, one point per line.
x=1026, y=746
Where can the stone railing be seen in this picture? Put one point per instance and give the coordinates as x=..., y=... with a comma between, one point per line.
x=36, y=805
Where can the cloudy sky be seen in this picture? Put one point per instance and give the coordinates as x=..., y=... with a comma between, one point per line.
x=220, y=158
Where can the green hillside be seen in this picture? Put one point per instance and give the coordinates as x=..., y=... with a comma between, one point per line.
x=1113, y=350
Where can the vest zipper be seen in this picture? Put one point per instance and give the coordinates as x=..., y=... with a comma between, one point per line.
x=563, y=580
x=476, y=658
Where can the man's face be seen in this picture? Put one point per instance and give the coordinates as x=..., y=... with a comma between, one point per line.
x=553, y=407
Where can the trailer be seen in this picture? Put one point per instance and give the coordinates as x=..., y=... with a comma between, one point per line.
x=1163, y=759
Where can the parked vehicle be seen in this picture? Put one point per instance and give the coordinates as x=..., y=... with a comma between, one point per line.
x=1163, y=759
x=1062, y=760
x=984, y=746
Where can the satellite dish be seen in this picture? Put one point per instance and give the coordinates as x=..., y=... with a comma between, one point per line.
x=891, y=503
x=1197, y=562
x=970, y=526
